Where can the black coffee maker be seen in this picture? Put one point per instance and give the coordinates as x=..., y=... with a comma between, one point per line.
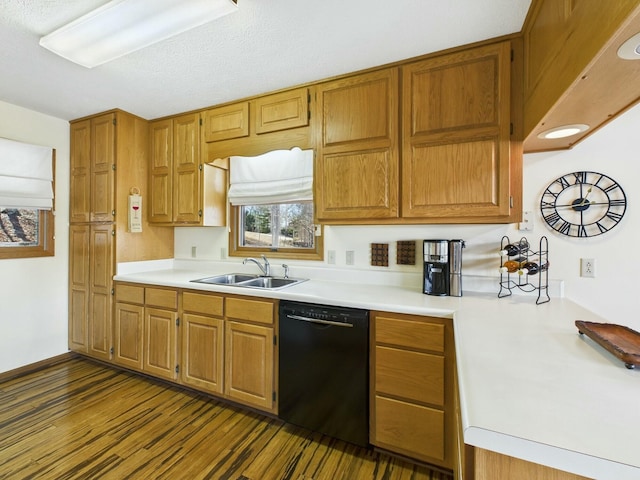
x=443, y=267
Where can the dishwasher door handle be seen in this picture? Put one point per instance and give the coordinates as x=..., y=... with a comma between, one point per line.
x=322, y=322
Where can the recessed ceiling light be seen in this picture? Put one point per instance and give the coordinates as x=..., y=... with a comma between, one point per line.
x=630, y=50
x=124, y=26
x=564, y=131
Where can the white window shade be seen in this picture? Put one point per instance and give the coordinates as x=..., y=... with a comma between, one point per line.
x=280, y=176
x=26, y=175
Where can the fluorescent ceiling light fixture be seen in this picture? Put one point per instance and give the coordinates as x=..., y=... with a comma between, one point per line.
x=124, y=26
x=630, y=50
x=564, y=131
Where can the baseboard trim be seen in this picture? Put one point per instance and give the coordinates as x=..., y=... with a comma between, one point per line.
x=34, y=367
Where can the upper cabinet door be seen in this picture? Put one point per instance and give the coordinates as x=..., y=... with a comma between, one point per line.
x=223, y=123
x=102, y=167
x=79, y=202
x=186, y=169
x=456, y=128
x=282, y=111
x=356, y=174
x=161, y=171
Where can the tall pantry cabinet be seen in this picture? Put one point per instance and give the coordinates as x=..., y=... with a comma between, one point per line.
x=109, y=160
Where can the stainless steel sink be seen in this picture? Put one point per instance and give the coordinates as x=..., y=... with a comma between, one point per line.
x=226, y=279
x=250, y=281
x=271, y=283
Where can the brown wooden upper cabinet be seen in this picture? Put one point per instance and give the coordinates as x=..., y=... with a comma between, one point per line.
x=178, y=182
x=224, y=123
x=253, y=127
x=356, y=174
x=456, y=127
x=92, y=169
x=572, y=72
x=282, y=111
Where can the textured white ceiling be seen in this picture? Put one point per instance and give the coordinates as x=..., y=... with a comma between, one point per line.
x=265, y=46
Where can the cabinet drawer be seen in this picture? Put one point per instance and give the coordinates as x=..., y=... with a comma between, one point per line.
x=129, y=294
x=411, y=375
x=409, y=429
x=260, y=311
x=159, y=297
x=410, y=333
x=211, y=305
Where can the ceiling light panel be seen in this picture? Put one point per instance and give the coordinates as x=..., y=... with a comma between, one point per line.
x=124, y=26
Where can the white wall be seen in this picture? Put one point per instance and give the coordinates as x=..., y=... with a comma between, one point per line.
x=33, y=292
x=613, y=151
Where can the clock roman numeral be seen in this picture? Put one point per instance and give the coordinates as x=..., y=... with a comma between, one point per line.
x=581, y=177
x=563, y=182
x=564, y=228
x=601, y=227
x=616, y=217
x=582, y=231
x=547, y=205
x=611, y=188
x=552, y=218
x=618, y=202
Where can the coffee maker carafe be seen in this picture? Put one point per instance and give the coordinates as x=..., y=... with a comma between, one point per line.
x=443, y=267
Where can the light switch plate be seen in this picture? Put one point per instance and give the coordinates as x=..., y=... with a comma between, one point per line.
x=526, y=225
x=349, y=257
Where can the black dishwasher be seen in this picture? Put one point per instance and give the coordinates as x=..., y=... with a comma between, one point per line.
x=324, y=369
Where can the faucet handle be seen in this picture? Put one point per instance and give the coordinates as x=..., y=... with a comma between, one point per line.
x=286, y=270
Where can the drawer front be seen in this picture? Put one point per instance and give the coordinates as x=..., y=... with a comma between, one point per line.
x=211, y=305
x=259, y=311
x=129, y=294
x=409, y=429
x=410, y=333
x=159, y=297
x=412, y=375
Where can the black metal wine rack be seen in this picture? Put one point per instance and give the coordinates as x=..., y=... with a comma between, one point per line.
x=524, y=281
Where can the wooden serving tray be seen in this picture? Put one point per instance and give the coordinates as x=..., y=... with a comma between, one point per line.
x=622, y=342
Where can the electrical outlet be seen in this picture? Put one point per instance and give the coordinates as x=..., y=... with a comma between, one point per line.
x=588, y=267
x=349, y=257
x=331, y=257
x=194, y=251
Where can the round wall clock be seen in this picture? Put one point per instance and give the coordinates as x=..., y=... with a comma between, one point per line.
x=583, y=204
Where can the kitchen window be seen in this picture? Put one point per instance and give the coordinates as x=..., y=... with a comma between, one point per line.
x=26, y=200
x=271, y=199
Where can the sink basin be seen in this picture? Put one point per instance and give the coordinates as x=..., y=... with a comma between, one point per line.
x=271, y=283
x=227, y=279
x=250, y=281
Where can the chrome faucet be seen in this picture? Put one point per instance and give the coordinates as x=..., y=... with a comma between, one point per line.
x=265, y=269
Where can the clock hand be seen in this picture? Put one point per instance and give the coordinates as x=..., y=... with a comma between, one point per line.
x=584, y=200
x=581, y=204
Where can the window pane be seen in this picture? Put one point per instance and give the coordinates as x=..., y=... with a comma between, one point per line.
x=277, y=226
x=19, y=227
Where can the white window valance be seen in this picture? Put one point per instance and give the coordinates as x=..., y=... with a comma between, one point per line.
x=26, y=175
x=280, y=176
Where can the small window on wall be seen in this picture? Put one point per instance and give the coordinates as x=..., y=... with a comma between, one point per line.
x=271, y=199
x=26, y=200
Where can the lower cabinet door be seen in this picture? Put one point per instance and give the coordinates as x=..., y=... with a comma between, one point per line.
x=129, y=324
x=249, y=364
x=160, y=343
x=409, y=429
x=202, y=352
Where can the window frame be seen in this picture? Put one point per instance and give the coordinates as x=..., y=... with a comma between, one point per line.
x=236, y=250
x=46, y=230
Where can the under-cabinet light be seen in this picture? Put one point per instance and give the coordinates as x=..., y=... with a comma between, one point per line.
x=630, y=50
x=124, y=26
x=563, y=131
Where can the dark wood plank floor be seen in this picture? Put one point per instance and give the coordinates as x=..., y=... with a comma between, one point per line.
x=82, y=420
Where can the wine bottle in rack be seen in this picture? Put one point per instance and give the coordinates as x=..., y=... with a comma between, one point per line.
x=513, y=249
x=511, y=266
x=533, y=268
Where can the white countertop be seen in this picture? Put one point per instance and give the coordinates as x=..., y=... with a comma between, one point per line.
x=530, y=386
